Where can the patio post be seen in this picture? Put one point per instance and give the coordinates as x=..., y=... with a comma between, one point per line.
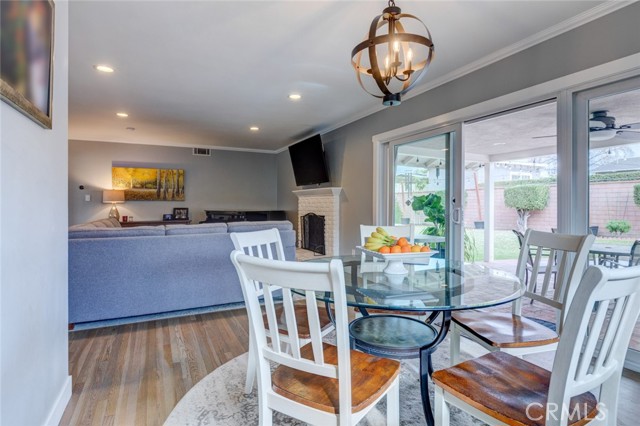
x=489, y=211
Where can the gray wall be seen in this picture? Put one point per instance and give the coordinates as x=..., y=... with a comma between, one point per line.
x=350, y=150
x=228, y=180
x=34, y=377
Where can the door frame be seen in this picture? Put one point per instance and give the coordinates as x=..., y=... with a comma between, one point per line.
x=453, y=190
x=581, y=166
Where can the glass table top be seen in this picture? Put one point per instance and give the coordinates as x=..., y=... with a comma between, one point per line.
x=434, y=285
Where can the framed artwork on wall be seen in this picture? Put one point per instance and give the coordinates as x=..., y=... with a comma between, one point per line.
x=149, y=184
x=180, y=213
x=26, y=58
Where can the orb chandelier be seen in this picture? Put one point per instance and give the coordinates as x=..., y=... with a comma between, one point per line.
x=396, y=60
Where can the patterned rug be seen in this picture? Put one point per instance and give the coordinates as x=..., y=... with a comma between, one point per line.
x=219, y=400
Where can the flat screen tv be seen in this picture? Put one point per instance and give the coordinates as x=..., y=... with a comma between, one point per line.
x=307, y=159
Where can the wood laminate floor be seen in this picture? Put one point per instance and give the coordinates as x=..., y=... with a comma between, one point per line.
x=133, y=375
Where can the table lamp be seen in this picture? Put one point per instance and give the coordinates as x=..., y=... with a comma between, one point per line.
x=114, y=197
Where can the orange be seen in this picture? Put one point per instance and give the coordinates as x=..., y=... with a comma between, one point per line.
x=396, y=249
x=406, y=248
x=402, y=242
x=425, y=248
x=416, y=248
x=384, y=249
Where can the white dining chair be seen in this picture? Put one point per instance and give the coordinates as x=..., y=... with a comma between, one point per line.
x=512, y=332
x=267, y=244
x=498, y=388
x=318, y=383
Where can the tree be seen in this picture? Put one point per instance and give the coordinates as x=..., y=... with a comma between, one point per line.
x=525, y=199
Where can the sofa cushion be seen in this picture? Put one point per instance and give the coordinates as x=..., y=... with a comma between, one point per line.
x=281, y=225
x=202, y=228
x=138, y=231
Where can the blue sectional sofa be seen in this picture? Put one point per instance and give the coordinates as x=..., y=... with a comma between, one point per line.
x=119, y=272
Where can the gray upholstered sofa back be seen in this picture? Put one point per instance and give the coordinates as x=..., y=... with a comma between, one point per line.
x=125, y=272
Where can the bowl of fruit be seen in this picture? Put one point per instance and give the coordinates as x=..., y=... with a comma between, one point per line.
x=381, y=245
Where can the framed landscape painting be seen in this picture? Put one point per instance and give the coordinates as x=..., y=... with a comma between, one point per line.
x=149, y=184
x=26, y=57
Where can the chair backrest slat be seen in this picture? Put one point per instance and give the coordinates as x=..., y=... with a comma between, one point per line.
x=306, y=277
x=565, y=256
x=594, y=343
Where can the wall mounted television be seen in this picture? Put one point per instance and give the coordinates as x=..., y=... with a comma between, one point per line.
x=307, y=159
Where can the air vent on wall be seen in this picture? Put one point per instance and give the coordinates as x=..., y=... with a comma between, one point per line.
x=205, y=152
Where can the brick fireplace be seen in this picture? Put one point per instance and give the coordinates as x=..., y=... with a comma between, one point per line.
x=322, y=202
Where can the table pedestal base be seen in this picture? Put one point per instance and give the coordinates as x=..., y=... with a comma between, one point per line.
x=393, y=336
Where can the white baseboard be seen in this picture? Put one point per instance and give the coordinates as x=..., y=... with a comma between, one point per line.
x=632, y=362
x=55, y=415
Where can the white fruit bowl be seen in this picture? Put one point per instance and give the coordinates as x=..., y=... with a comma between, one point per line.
x=395, y=260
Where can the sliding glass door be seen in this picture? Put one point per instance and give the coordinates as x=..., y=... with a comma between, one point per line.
x=608, y=128
x=425, y=190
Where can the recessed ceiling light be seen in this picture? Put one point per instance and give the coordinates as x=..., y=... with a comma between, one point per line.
x=122, y=114
x=295, y=96
x=254, y=128
x=103, y=68
x=499, y=143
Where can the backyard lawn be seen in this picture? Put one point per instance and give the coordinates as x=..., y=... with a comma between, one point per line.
x=506, y=243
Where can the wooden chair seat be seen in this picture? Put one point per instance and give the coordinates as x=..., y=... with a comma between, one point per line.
x=301, y=318
x=371, y=376
x=518, y=389
x=505, y=330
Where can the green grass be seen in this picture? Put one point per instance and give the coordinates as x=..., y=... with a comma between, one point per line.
x=506, y=244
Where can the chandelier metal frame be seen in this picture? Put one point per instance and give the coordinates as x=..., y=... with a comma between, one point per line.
x=397, y=41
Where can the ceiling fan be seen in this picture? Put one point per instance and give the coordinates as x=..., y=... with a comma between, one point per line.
x=602, y=127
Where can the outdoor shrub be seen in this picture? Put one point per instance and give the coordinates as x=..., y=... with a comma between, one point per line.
x=525, y=199
x=636, y=194
x=618, y=227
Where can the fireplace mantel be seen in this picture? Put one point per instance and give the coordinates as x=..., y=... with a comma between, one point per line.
x=318, y=192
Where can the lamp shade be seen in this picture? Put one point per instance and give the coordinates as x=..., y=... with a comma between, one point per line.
x=113, y=196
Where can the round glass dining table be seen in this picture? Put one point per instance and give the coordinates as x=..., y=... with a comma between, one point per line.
x=433, y=288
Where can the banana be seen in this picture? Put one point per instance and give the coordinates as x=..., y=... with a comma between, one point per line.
x=373, y=246
x=378, y=235
x=380, y=230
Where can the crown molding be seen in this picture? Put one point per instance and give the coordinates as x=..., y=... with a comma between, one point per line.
x=181, y=145
x=565, y=26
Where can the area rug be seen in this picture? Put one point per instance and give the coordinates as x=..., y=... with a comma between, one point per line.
x=219, y=398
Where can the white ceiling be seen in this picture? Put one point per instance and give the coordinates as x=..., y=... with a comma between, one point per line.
x=199, y=73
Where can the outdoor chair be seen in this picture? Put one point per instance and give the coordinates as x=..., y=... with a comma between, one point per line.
x=498, y=388
x=512, y=332
x=318, y=383
x=267, y=244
